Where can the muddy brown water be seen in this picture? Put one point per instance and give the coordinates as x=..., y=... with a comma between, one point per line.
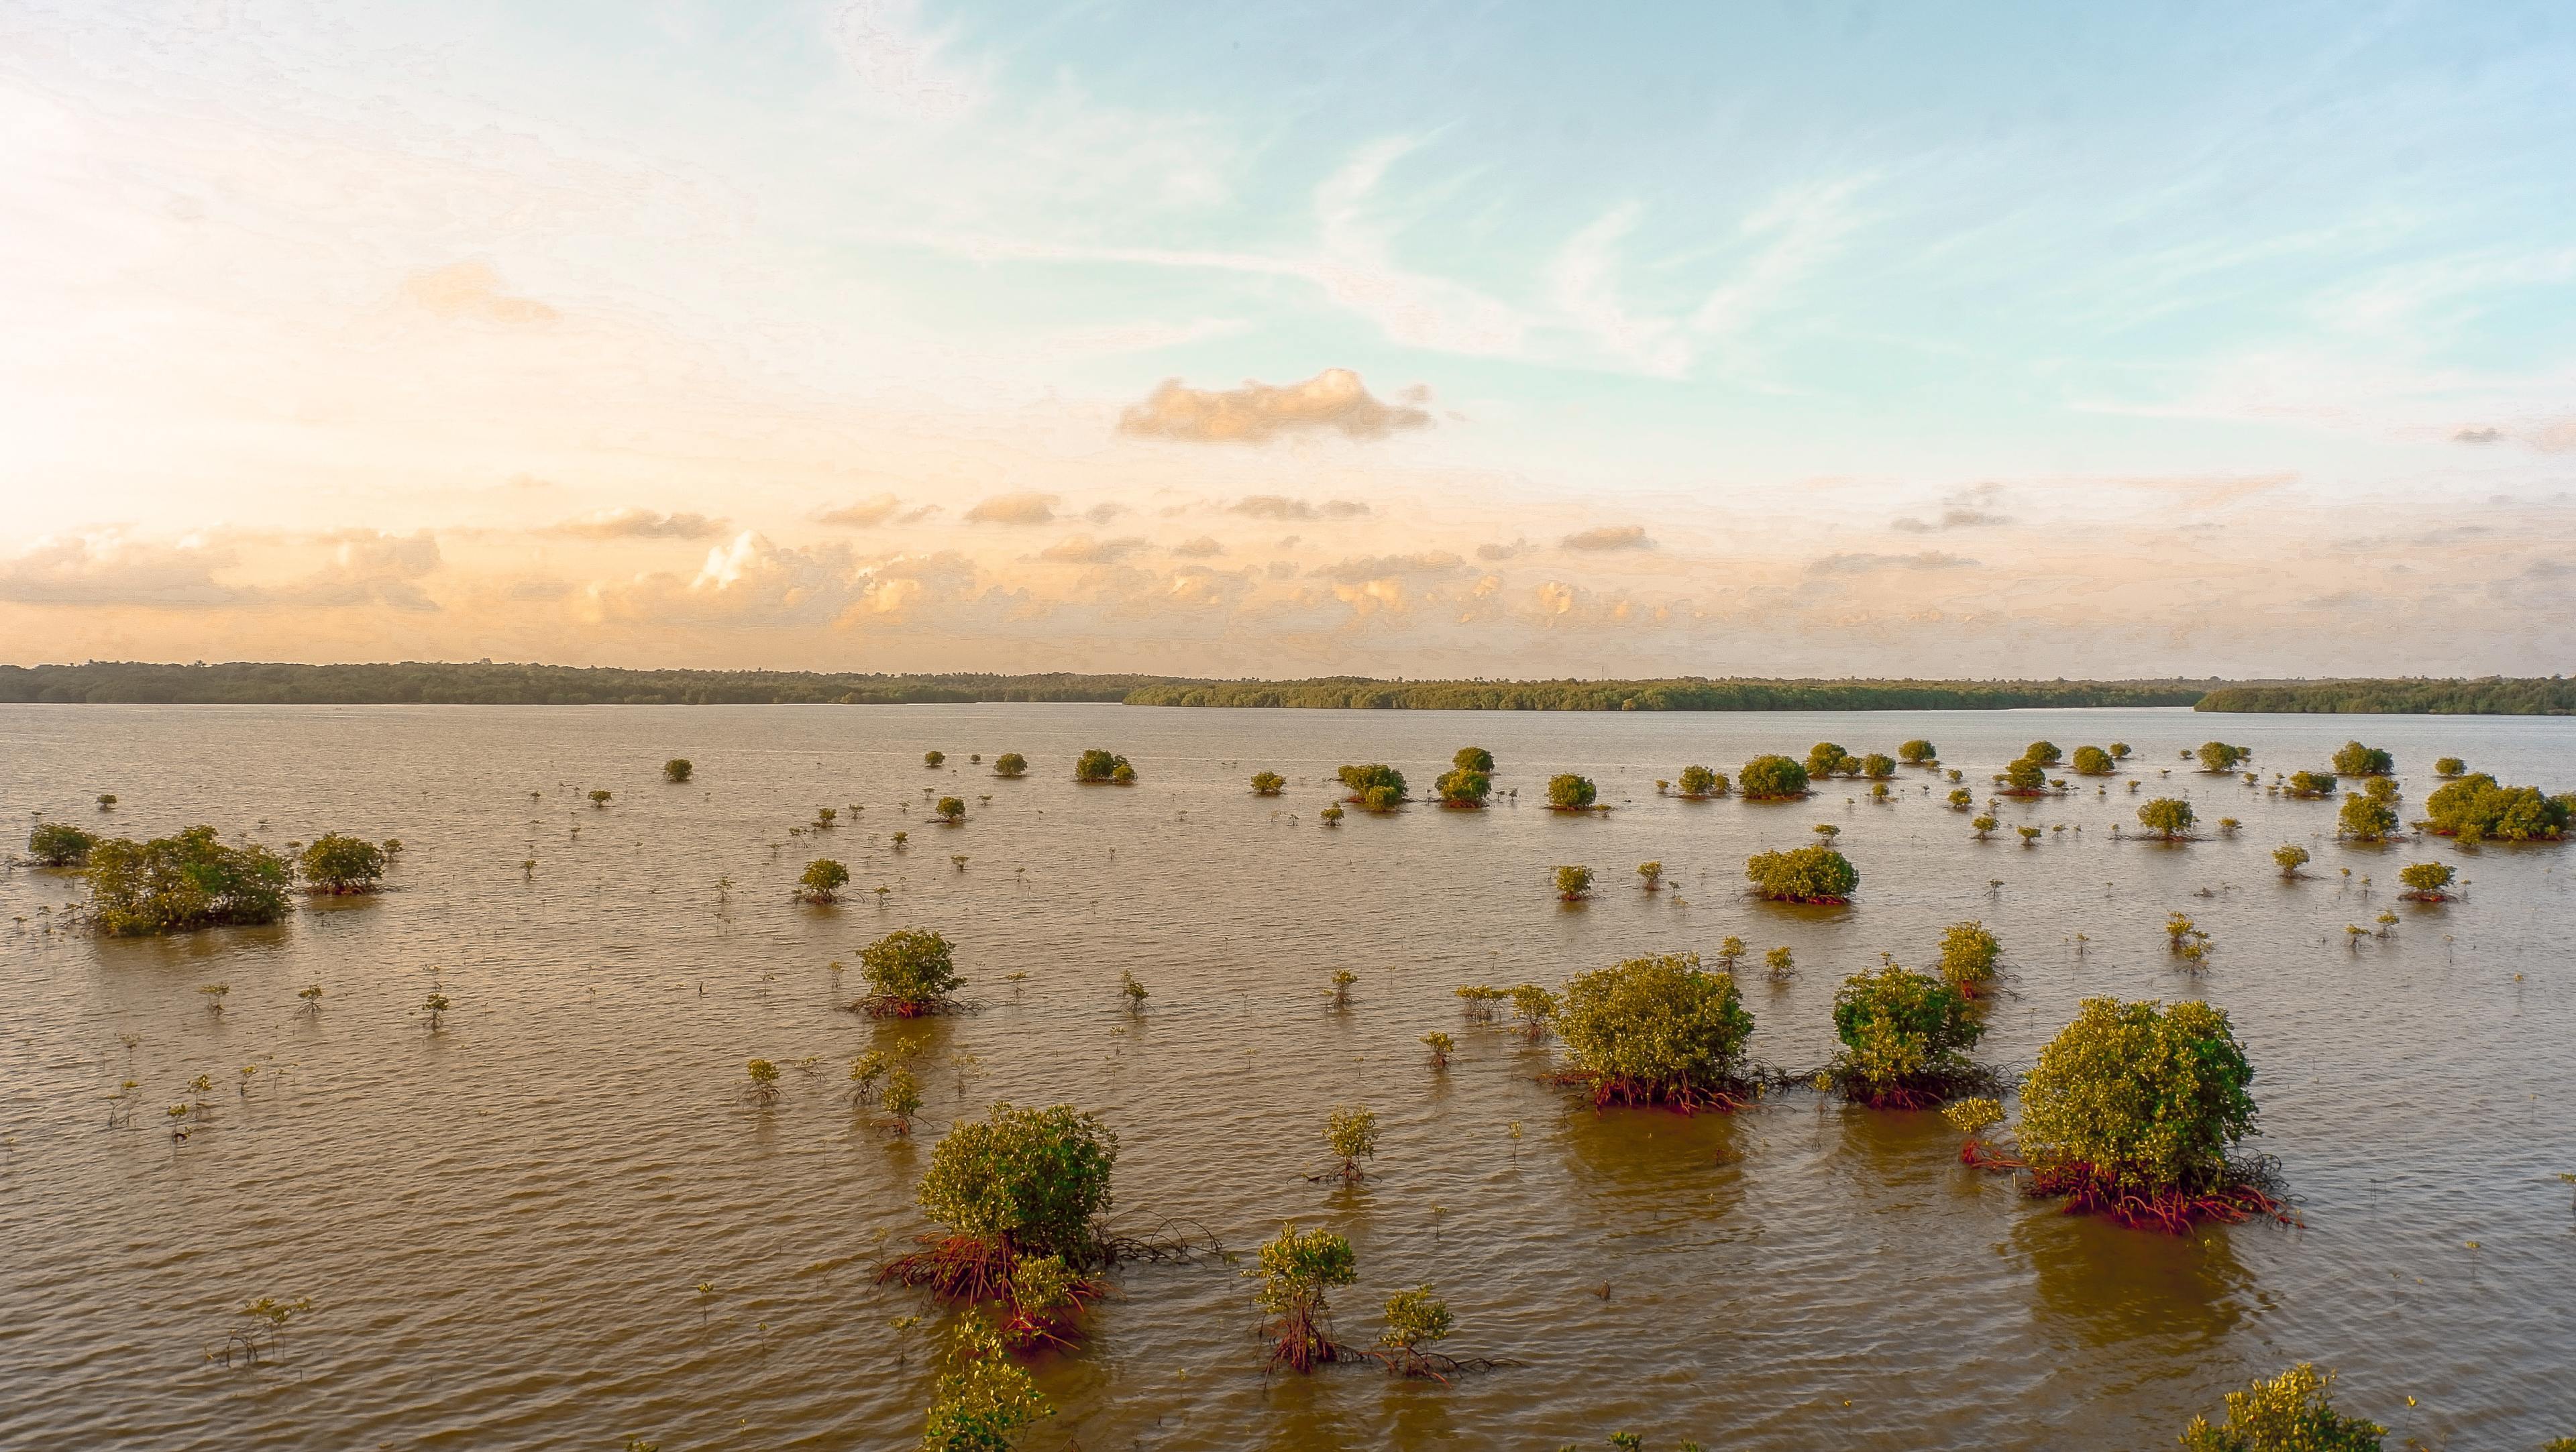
x=503, y=1225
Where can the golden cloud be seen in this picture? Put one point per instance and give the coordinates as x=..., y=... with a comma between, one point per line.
x=639, y=524
x=1280, y=506
x=1609, y=537
x=1082, y=549
x=1332, y=401
x=1014, y=509
x=471, y=291
x=865, y=514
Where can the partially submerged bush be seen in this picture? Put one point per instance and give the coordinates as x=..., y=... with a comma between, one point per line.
x=2132, y=1110
x=1295, y=1270
x=1567, y=792
x=952, y=810
x=2312, y=784
x=192, y=880
x=1968, y=957
x=2289, y=1413
x=1698, y=782
x=1019, y=1183
x=1414, y=1320
x=56, y=844
x=1771, y=778
x=822, y=881
x=1010, y=763
x=2356, y=759
x=1573, y=883
x=1380, y=799
x=934, y=758
x=1464, y=786
x=2291, y=858
x=2365, y=818
x=678, y=769
x=909, y=973
x=2092, y=761
x=1878, y=766
x=1918, y=752
x=1812, y=874
x=1095, y=766
x=341, y=864
x=2475, y=809
x=2450, y=766
x=2426, y=881
x=1350, y=1132
x=1827, y=758
x=1371, y=777
x=1268, y=783
x=2043, y=752
x=2219, y=756
x=2025, y=777
x=1658, y=1030
x=985, y=1400
x=1905, y=1039
x=1473, y=758
x=2170, y=818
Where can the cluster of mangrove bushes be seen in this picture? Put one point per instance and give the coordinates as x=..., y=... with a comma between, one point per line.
x=194, y=879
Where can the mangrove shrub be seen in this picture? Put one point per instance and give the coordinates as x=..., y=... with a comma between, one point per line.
x=2289, y=1413
x=1658, y=1030
x=909, y=973
x=1699, y=781
x=1464, y=786
x=2291, y=858
x=2450, y=766
x=1473, y=758
x=2356, y=759
x=677, y=769
x=2312, y=784
x=2168, y=817
x=342, y=864
x=56, y=844
x=1905, y=1039
x=1917, y=752
x=1295, y=1270
x=1968, y=957
x=1364, y=779
x=1010, y=763
x=2133, y=1109
x=192, y=880
x=2365, y=818
x=1815, y=873
x=1771, y=777
x=2475, y=809
x=2219, y=756
x=1268, y=783
x=1826, y=758
x=1573, y=882
x=2426, y=881
x=822, y=880
x=1096, y=765
x=2092, y=761
x=1567, y=792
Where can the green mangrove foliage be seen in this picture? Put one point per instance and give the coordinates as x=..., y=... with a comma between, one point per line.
x=952, y=810
x=2426, y=881
x=1905, y=1039
x=1464, y=787
x=57, y=844
x=1268, y=783
x=1878, y=766
x=1812, y=874
x=1699, y=783
x=1018, y=1185
x=177, y=883
x=1918, y=752
x=2450, y=766
x=2366, y=816
x=2170, y=818
x=1011, y=763
x=336, y=863
x=1473, y=758
x=2132, y=1111
x=1771, y=778
x=2356, y=759
x=909, y=973
x=2025, y=777
x=1567, y=792
x=1350, y=1132
x=2291, y=857
x=1659, y=1030
x=2092, y=761
x=2290, y=1413
x=1375, y=786
x=1968, y=957
x=1295, y=1269
x=985, y=1399
x=1573, y=884
x=1096, y=766
x=822, y=881
x=678, y=770
x=1415, y=1319
x=2312, y=784
x=2219, y=756
x=2475, y=809
x=1826, y=758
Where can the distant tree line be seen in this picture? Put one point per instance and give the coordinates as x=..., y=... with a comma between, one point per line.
x=486, y=683
x=2493, y=696
x=1357, y=693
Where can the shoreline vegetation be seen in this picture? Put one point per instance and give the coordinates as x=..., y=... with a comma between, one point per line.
x=503, y=684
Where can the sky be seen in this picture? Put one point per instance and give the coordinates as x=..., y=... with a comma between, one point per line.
x=1395, y=340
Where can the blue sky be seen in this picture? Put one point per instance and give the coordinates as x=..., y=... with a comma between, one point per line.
x=2062, y=340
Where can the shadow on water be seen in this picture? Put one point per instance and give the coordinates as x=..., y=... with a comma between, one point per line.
x=2105, y=1285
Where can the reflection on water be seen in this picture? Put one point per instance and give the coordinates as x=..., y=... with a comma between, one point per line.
x=503, y=1225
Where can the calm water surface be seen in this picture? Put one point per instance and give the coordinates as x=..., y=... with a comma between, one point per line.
x=502, y=1225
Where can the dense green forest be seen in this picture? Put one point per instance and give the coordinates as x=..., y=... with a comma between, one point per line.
x=2493, y=696
x=1356, y=693
x=487, y=684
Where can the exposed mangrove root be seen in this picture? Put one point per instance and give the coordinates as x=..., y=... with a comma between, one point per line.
x=2249, y=1192
x=1173, y=1242
x=1977, y=1154
x=886, y=1005
x=974, y=1271
x=1301, y=1341
x=1683, y=1096
x=1428, y=1365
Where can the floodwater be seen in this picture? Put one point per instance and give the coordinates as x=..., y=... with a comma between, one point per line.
x=503, y=1226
